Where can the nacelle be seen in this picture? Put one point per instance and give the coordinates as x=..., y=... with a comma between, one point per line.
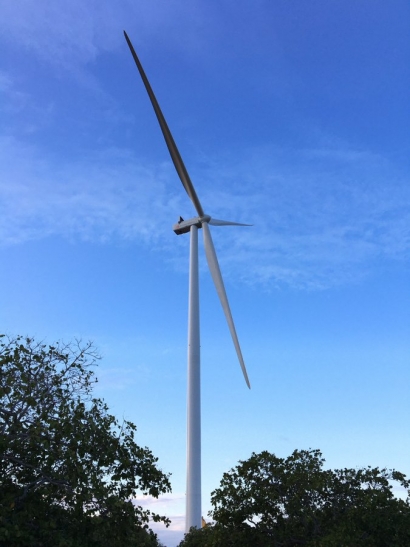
x=184, y=226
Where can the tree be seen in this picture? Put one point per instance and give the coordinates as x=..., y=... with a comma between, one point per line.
x=288, y=502
x=69, y=470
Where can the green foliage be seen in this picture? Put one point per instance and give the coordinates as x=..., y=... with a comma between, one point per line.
x=68, y=468
x=287, y=502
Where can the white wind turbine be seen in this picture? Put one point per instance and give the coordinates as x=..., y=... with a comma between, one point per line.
x=193, y=491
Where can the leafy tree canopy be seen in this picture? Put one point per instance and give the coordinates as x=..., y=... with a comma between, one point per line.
x=288, y=502
x=68, y=468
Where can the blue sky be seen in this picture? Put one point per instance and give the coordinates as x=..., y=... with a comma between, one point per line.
x=289, y=115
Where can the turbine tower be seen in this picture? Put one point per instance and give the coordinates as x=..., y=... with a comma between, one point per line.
x=193, y=488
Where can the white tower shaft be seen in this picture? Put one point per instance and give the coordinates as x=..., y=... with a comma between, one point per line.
x=193, y=488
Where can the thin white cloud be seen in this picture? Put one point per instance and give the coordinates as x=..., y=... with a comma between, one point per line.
x=21, y=113
x=162, y=503
x=322, y=215
x=172, y=506
x=5, y=81
x=13, y=100
x=317, y=222
x=61, y=34
x=71, y=35
x=103, y=197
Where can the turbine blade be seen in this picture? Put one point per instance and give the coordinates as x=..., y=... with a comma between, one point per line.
x=216, y=222
x=172, y=147
x=220, y=289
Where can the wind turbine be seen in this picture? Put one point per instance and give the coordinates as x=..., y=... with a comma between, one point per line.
x=193, y=492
